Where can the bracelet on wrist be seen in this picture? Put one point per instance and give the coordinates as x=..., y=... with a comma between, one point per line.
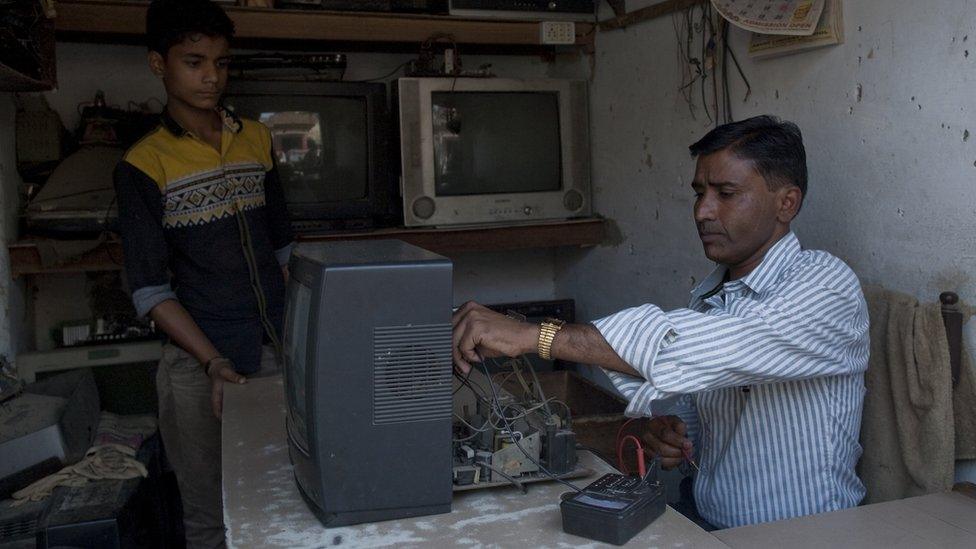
x=215, y=361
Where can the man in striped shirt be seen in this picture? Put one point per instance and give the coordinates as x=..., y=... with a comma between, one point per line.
x=766, y=363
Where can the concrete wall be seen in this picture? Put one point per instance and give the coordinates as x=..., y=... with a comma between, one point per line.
x=886, y=120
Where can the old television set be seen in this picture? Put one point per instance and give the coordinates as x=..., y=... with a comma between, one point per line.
x=368, y=379
x=331, y=143
x=483, y=150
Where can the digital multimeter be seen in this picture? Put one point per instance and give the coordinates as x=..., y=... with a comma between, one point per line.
x=613, y=509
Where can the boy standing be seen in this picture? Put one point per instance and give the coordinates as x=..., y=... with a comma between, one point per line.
x=206, y=239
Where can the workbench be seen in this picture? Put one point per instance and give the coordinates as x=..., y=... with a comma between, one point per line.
x=263, y=508
x=942, y=521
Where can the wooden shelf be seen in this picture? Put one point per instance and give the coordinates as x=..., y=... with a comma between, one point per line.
x=115, y=21
x=26, y=256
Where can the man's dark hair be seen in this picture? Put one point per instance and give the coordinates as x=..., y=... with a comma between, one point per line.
x=169, y=22
x=774, y=147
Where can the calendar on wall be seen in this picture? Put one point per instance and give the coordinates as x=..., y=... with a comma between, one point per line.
x=791, y=17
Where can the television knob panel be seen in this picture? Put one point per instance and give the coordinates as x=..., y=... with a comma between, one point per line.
x=573, y=200
x=423, y=207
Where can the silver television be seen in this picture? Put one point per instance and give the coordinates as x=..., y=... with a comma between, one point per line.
x=493, y=150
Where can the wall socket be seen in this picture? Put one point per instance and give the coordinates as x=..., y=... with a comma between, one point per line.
x=557, y=33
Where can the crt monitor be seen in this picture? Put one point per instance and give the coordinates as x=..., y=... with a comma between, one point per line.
x=367, y=375
x=482, y=150
x=331, y=145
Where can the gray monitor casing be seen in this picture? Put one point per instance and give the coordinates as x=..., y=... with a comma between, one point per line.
x=422, y=206
x=378, y=396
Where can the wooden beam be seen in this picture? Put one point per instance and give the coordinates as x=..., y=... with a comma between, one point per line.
x=25, y=256
x=648, y=13
x=126, y=19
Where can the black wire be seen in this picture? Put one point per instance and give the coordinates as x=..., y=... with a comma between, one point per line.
x=599, y=455
x=494, y=394
x=385, y=76
x=742, y=74
x=724, y=40
x=478, y=391
x=704, y=70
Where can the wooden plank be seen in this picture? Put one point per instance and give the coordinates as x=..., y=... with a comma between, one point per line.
x=646, y=14
x=95, y=18
x=449, y=240
x=967, y=489
x=25, y=257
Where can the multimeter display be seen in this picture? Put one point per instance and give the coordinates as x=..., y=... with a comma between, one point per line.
x=614, y=508
x=601, y=502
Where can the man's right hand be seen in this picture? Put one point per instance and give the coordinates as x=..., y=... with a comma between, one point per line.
x=665, y=438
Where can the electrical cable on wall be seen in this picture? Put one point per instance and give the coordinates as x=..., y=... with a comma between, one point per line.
x=704, y=70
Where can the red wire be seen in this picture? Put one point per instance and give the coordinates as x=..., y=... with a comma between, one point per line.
x=624, y=426
x=641, y=468
x=619, y=444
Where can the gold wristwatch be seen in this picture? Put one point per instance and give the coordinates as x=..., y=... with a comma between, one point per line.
x=547, y=332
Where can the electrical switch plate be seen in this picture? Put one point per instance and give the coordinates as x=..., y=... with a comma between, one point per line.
x=555, y=33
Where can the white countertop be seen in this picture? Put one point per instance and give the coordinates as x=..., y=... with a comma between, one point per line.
x=262, y=506
x=934, y=521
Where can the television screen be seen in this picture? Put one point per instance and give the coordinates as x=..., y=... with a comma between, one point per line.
x=297, y=320
x=331, y=145
x=323, y=155
x=496, y=142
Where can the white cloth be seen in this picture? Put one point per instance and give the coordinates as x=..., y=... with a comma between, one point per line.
x=111, y=457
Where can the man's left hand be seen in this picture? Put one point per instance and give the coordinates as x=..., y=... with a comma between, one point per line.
x=481, y=333
x=221, y=371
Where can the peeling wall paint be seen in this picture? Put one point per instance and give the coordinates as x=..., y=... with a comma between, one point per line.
x=13, y=331
x=892, y=191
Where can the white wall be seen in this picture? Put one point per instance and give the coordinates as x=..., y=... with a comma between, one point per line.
x=891, y=184
x=892, y=177
x=13, y=322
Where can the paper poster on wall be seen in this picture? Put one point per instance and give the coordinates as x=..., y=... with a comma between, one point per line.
x=789, y=17
x=829, y=31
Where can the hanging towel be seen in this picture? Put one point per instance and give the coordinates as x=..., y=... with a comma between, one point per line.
x=908, y=431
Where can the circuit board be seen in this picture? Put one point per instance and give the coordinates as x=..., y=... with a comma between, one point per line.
x=507, y=432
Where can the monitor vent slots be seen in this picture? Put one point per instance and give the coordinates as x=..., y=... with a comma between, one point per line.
x=411, y=373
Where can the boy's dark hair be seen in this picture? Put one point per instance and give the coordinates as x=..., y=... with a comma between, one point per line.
x=774, y=147
x=169, y=22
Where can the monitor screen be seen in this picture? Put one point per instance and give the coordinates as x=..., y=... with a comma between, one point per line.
x=496, y=142
x=296, y=342
x=322, y=154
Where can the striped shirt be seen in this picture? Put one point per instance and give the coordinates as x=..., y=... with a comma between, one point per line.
x=771, y=369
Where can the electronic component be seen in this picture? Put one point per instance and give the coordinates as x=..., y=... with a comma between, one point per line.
x=394, y=6
x=466, y=474
x=512, y=461
x=612, y=509
x=288, y=66
x=560, y=450
x=563, y=10
x=514, y=435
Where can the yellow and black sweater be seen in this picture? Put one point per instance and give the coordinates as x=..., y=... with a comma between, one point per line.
x=210, y=229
